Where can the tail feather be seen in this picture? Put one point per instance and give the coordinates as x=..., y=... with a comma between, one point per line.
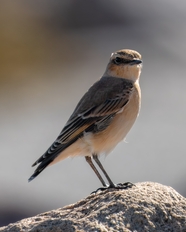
x=40, y=168
x=39, y=160
x=49, y=156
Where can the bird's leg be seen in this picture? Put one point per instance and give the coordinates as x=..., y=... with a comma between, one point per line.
x=89, y=160
x=111, y=184
x=105, y=186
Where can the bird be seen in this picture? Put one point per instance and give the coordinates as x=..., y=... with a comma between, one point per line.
x=102, y=118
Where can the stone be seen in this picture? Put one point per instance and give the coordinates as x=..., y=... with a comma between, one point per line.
x=144, y=207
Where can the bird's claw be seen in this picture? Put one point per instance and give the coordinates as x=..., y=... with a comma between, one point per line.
x=125, y=185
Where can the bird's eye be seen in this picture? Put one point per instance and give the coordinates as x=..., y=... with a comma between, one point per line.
x=118, y=60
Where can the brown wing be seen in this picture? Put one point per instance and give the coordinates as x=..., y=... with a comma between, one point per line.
x=105, y=103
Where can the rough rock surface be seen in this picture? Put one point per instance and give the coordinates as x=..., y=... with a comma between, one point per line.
x=144, y=207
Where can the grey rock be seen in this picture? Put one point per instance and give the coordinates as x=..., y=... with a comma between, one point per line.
x=145, y=207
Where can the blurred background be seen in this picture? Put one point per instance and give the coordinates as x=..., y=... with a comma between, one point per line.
x=51, y=52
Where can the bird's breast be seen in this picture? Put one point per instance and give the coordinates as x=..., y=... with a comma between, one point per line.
x=106, y=140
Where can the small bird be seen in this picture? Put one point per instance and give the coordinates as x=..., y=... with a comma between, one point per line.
x=103, y=116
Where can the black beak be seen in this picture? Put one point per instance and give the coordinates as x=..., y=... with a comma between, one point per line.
x=134, y=62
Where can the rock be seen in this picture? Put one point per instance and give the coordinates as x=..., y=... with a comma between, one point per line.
x=144, y=207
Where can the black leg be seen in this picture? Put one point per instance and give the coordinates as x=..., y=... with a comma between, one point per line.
x=111, y=184
x=89, y=160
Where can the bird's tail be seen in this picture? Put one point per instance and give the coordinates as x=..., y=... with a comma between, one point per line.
x=49, y=156
x=39, y=169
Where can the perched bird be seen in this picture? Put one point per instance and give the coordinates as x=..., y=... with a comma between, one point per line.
x=103, y=116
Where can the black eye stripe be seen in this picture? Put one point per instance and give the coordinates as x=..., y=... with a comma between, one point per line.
x=119, y=60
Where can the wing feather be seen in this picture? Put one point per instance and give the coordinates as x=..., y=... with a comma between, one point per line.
x=94, y=115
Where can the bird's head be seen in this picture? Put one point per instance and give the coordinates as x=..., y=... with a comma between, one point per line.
x=125, y=64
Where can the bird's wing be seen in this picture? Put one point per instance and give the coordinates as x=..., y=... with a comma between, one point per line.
x=93, y=113
x=97, y=114
x=101, y=107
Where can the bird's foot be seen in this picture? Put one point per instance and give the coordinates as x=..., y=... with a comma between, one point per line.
x=125, y=185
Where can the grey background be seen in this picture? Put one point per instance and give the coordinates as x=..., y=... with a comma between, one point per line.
x=51, y=53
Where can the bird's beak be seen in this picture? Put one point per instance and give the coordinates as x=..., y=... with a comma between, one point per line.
x=134, y=62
